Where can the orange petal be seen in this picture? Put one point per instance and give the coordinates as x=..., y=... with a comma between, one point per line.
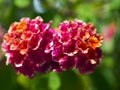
x=22, y=26
x=23, y=47
x=7, y=38
x=57, y=30
x=23, y=51
x=26, y=35
x=14, y=44
x=94, y=42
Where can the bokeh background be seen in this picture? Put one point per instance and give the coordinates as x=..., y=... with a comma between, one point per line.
x=105, y=14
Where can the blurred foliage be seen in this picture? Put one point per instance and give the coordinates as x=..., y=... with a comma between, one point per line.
x=99, y=12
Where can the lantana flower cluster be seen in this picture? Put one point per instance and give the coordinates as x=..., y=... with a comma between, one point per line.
x=33, y=46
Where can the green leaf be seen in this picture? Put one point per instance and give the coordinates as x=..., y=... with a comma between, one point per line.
x=108, y=46
x=1, y=1
x=54, y=81
x=115, y=4
x=70, y=80
x=56, y=20
x=22, y=3
x=108, y=61
x=23, y=81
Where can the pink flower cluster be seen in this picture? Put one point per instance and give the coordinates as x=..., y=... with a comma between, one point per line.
x=77, y=45
x=33, y=46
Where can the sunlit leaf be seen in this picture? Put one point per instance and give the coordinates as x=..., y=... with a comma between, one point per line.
x=22, y=3
x=1, y=1
x=57, y=19
x=23, y=81
x=54, y=81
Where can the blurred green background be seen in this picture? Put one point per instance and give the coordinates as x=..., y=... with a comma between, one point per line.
x=105, y=14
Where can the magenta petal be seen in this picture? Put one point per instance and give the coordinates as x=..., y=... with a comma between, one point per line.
x=63, y=26
x=27, y=69
x=69, y=47
x=44, y=26
x=33, y=28
x=99, y=53
x=85, y=65
x=34, y=42
x=44, y=68
x=67, y=63
x=95, y=54
x=16, y=58
x=57, y=53
x=56, y=66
